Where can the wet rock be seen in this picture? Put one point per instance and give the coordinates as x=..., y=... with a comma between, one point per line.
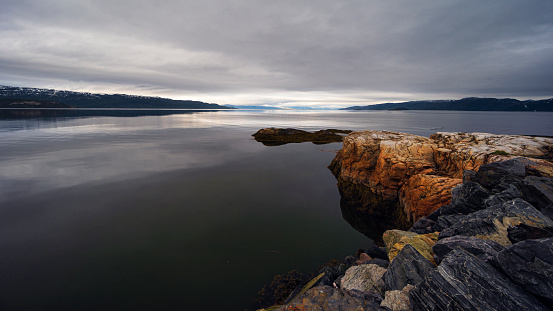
x=326, y=298
x=524, y=232
x=280, y=136
x=398, y=300
x=422, y=243
x=408, y=267
x=464, y=282
x=483, y=249
x=492, y=223
x=530, y=265
x=365, y=278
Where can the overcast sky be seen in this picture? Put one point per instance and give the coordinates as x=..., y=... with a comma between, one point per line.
x=290, y=53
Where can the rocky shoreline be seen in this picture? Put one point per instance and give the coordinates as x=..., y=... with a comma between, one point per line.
x=477, y=224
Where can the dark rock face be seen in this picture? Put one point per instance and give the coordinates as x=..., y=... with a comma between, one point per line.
x=423, y=226
x=492, y=222
x=279, y=136
x=512, y=192
x=538, y=191
x=408, y=267
x=524, y=232
x=326, y=298
x=483, y=249
x=463, y=282
x=377, y=252
x=465, y=198
x=494, y=174
x=530, y=265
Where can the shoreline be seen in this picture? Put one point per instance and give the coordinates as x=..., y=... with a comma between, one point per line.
x=497, y=189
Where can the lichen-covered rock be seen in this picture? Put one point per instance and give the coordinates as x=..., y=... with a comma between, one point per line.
x=398, y=300
x=492, y=223
x=326, y=298
x=364, y=278
x=530, y=265
x=408, y=267
x=464, y=282
x=422, y=243
x=483, y=249
x=391, y=237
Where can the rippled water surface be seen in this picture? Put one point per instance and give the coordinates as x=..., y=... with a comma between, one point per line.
x=180, y=210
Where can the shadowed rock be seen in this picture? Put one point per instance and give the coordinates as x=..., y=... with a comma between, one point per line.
x=408, y=267
x=530, y=265
x=280, y=136
x=326, y=298
x=482, y=249
x=524, y=232
x=464, y=282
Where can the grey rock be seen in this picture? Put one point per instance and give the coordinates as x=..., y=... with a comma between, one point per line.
x=447, y=221
x=464, y=282
x=492, y=223
x=379, y=262
x=398, y=300
x=366, y=277
x=377, y=252
x=408, y=267
x=538, y=191
x=512, y=192
x=483, y=249
x=530, y=264
x=465, y=198
x=493, y=174
x=423, y=226
x=468, y=175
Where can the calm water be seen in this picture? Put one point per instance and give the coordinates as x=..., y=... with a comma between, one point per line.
x=182, y=210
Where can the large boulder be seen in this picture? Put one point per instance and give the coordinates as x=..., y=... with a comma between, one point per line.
x=483, y=249
x=326, y=298
x=464, y=282
x=492, y=223
x=365, y=278
x=409, y=267
x=530, y=265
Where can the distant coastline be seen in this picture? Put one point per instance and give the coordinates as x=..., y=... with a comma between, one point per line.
x=465, y=104
x=23, y=97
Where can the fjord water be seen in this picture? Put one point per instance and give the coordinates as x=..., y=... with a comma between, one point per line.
x=142, y=210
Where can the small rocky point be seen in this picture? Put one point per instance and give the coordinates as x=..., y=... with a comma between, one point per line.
x=279, y=136
x=489, y=246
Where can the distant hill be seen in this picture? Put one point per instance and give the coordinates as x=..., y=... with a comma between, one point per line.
x=92, y=100
x=23, y=103
x=465, y=104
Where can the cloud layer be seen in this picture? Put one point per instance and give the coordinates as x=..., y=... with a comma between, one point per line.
x=328, y=53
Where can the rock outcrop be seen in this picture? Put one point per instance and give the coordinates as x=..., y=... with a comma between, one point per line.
x=280, y=136
x=419, y=172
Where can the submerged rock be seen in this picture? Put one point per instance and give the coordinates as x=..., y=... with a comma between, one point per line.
x=530, y=265
x=463, y=282
x=280, y=136
x=408, y=267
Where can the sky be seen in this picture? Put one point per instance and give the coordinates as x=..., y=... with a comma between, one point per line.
x=293, y=53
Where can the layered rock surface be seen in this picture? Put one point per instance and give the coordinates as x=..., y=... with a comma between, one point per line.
x=418, y=171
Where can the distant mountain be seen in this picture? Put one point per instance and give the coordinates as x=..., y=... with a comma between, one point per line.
x=465, y=104
x=92, y=100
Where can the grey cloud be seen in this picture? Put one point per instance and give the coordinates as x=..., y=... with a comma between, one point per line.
x=425, y=47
